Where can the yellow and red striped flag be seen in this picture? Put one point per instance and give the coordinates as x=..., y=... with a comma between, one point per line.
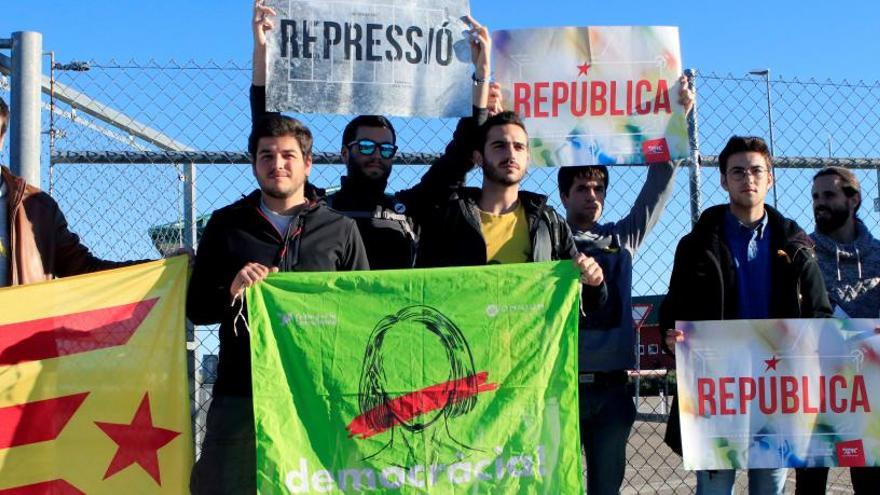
x=93, y=384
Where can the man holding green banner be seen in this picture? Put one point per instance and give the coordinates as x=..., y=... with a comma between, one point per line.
x=278, y=227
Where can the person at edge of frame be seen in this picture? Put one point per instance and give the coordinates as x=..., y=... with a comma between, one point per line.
x=742, y=260
x=386, y=221
x=35, y=241
x=849, y=258
x=607, y=338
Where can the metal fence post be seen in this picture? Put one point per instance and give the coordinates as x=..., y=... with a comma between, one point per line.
x=24, y=128
x=188, y=239
x=694, y=142
x=765, y=73
x=189, y=206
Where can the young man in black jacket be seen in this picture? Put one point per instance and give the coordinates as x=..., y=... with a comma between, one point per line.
x=386, y=221
x=743, y=260
x=498, y=222
x=275, y=228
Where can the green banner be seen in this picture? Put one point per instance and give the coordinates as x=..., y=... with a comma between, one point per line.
x=447, y=380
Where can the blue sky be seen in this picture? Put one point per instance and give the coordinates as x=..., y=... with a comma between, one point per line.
x=793, y=38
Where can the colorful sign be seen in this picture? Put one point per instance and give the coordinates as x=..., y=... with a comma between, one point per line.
x=779, y=393
x=93, y=374
x=448, y=380
x=594, y=95
x=389, y=57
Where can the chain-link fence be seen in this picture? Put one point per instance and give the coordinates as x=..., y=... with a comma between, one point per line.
x=143, y=142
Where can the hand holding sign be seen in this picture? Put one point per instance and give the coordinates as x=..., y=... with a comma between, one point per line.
x=496, y=102
x=673, y=336
x=261, y=24
x=481, y=47
x=686, y=95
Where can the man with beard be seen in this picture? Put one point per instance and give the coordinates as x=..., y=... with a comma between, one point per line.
x=498, y=222
x=386, y=221
x=742, y=261
x=849, y=258
x=276, y=228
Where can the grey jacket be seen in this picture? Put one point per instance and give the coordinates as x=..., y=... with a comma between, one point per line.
x=607, y=339
x=851, y=272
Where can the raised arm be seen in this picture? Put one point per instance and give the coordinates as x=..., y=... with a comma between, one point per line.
x=651, y=201
x=449, y=170
x=261, y=24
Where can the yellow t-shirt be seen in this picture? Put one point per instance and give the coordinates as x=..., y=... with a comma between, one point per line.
x=507, y=236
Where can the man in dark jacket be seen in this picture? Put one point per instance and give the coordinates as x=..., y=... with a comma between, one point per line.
x=498, y=222
x=849, y=258
x=388, y=229
x=35, y=242
x=742, y=260
x=275, y=228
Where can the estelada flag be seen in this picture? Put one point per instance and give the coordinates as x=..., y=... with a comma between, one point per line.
x=93, y=383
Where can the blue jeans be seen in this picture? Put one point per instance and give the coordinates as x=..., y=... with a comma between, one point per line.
x=761, y=481
x=607, y=414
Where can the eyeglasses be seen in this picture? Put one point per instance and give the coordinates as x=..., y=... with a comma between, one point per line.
x=367, y=147
x=741, y=173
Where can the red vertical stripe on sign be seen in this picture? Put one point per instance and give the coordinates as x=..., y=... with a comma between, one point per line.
x=75, y=333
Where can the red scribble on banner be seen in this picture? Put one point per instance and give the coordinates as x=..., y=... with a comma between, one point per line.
x=414, y=404
x=75, y=333
x=37, y=421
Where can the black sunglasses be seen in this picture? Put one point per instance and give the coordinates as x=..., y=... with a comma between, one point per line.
x=367, y=147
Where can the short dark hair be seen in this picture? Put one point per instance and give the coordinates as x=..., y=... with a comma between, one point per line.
x=849, y=183
x=366, y=121
x=276, y=125
x=501, y=118
x=566, y=176
x=743, y=144
x=4, y=117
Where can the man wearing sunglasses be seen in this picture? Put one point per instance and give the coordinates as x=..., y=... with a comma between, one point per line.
x=389, y=234
x=386, y=221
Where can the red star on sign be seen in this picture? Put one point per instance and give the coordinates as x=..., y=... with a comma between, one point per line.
x=772, y=362
x=139, y=442
x=583, y=69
